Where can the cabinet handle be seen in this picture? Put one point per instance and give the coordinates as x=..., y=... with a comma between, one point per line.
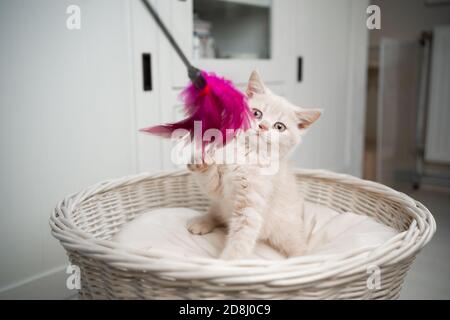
x=300, y=69
x=147, y=71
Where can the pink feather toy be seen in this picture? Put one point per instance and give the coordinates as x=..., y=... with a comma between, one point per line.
x=211, y=100
x=218, y=105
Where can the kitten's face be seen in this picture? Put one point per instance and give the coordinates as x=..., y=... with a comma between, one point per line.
x=277, y=121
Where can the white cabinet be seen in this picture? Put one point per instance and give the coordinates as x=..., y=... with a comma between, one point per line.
x=331, y=37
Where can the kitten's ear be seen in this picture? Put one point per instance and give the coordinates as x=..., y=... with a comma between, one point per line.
x=255, y=85
x=307, y=117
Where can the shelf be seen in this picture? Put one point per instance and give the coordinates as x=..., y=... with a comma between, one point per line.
x=257, y=3
x=232, y=29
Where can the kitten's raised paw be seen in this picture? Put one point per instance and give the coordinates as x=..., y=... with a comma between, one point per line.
x=201, y=167
x=200, y=225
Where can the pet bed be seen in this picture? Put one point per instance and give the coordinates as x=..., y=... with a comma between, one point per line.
x=87, y=223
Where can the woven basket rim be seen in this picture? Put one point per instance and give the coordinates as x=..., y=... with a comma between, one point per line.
x=402, y=246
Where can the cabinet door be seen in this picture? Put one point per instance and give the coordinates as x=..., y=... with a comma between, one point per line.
x=247, y=35
x=146, y=80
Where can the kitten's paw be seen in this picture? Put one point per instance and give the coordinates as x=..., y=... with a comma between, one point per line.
x=297, y=251
x=200, y=225
x=230, y=254
x=201, y=167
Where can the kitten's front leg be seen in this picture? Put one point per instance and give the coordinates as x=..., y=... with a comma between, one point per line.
x=246, y=221
x=288, y=236
x=205, y=223
x=292, y=242
x=243, y=232
x=207, y=175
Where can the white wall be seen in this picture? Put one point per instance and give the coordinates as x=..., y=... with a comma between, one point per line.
x=65, y=122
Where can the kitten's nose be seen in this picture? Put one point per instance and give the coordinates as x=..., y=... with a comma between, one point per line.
x=263, y=126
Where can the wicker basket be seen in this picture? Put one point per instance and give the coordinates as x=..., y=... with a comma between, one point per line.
x=85, y=222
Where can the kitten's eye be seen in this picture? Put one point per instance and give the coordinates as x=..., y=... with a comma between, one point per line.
x=279, y=126
x=257, y=113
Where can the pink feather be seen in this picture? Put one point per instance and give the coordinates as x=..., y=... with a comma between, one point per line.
x=218, y=106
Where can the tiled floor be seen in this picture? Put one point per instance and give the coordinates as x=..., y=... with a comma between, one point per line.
x=429, y=277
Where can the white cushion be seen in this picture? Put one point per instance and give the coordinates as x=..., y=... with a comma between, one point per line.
x=328, y=232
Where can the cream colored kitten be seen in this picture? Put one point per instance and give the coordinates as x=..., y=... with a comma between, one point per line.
x=256, y=206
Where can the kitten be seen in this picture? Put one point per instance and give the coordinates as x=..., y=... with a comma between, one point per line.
x=256, y=206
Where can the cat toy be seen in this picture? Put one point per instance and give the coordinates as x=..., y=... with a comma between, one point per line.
x=209, y=99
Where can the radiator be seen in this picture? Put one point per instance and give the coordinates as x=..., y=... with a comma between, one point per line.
x=437, y=143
